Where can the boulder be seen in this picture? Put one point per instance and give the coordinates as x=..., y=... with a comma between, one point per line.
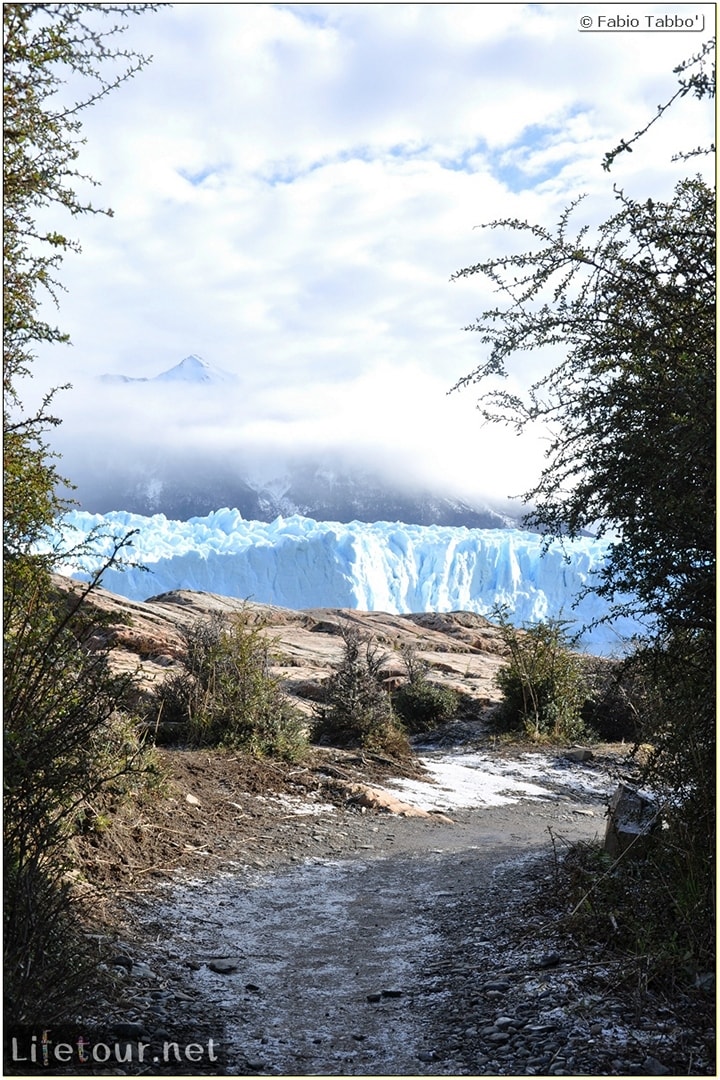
x=377, y=799
x=632, y=817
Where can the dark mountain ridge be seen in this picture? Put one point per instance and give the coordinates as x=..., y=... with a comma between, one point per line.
x=183, y=482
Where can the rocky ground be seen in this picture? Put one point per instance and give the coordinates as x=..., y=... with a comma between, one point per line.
x=307, y=934
x=462, y=650
x=258, y=918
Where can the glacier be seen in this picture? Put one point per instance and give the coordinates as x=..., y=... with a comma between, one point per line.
x=300, y=563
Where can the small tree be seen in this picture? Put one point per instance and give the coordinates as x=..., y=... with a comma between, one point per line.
x=628, y=311
x=631, y=402
x=42, y=43
x=357, y=709
x=543, y=685
x=64, y=734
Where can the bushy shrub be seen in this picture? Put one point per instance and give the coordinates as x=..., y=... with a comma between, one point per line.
x=67, y=740
x=543, y=684
x=227, y=696
x=357, y=710
x=616, y=698
x=423, y=706
x=420, y=704
x=678, y=722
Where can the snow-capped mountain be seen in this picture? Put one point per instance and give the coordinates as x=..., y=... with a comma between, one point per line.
x=299, y=563
x=193, y=369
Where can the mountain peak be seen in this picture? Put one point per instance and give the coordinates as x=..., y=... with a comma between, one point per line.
x=194, y=369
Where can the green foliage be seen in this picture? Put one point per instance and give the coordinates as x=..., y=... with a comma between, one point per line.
x=543, y=684
x=420, y=704
x=357, y=709
x=649, y=914
x=227, y=696
x=658, y=913
x=65, y=734
x=629, y=309
x=66, y=737
x=678, y=720
x=42, y=44
x=631, y=404
x=423, y=705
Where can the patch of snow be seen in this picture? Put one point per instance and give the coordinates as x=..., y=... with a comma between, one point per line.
x=475, y=780
x=301, y=807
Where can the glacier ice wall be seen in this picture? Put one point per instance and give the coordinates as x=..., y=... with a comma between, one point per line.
x=297, y=562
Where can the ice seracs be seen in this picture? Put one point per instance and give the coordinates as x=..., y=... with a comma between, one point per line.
x=299, y=563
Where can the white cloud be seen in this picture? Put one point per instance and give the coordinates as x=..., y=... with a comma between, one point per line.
x=293, y=186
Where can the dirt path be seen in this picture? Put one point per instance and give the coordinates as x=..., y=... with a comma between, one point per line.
x=279, y=932
x=331, y=963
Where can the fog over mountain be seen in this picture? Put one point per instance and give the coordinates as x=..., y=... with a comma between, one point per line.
x=194, y=438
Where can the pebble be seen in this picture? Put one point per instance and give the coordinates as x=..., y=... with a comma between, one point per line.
x=223, y=967
x=653, y=1067
x=549, y=959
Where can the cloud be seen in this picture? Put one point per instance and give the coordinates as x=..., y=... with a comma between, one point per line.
x=293, y=186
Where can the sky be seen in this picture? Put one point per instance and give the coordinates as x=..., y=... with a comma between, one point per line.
x=294, y=185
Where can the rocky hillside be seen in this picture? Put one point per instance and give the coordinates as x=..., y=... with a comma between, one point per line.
x=463, y=650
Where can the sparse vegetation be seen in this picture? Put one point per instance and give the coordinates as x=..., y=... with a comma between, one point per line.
x=543, y=684
x=226, y=696
x=68, y=739
x=357, y=710
x=634, y=912
x=420, y=704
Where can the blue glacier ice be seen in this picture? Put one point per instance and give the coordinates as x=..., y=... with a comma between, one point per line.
x=297, y=562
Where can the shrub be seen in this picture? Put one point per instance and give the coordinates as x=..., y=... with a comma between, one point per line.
x=227, y=696
x=357, y=710
x=420, y=704
x=67, y=739
x=678, y=721
x=423, y=706
x=616, y=698
x=543, y=684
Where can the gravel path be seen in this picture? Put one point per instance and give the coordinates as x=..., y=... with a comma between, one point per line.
x=371, y=944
